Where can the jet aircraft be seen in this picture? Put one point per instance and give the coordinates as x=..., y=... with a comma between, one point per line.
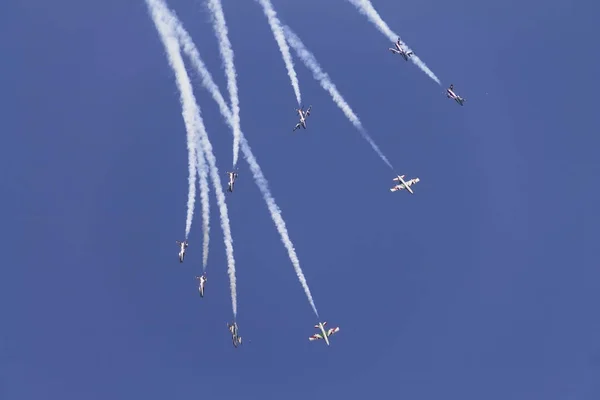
x=202, y=280
x=233, y=328
x=402, y=184
x=324, y=334
x=451, y=95
x=182, y=246
x=400, y=50
x=232, y=178
x=303, y=115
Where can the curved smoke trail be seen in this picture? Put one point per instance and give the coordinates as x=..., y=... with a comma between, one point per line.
x=195, y=124
x=277, y=30
x=191, y=51
x=220, y=27
x=311, y=63
x=206, y=145
x=366, y=8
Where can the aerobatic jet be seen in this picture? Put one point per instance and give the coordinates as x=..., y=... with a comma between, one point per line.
x=402, y=184
x=233, y=328
x=303, y=115
x=324, y=334
x=400, y=50
x=202, y=280
x=232, y=177
x=451, y=95
x=182, y=246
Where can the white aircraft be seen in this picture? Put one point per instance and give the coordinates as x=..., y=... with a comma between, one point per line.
x=324, y=334
x=202, y=280
x=451, y=95
x=233, y=328
x=303, y=115
x=400, y=50
x=182, y=246
x=404, y=184
x=232, y=177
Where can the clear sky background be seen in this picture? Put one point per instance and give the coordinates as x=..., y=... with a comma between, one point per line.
x=483, y=285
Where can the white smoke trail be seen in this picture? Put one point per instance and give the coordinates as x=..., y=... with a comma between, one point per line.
x=194, y=123
x=311, y=63
x=204, y=191
x=220, y=27
x=366, y=8
x=275, y=25
x=187, y=113
x=207, y=81
x=206, y=145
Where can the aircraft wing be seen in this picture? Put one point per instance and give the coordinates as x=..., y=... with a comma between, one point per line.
x=332, y=331
x=396, y=188
x=316, y=336
x=307, y=112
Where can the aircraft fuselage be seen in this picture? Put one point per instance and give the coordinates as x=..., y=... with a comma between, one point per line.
x=325, y=337
x=234, y=335
x=302, y=119
x=232, y=176
x=182, y=252
x=450, y=93
x=405, y=184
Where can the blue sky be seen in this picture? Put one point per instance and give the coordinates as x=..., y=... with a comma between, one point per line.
x=484, y=284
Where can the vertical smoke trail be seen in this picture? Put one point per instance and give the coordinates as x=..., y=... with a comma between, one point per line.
x=195, y=124
x=206, y=145
x=191, y=186
x=192, y=150
x=275, y=25
x=207, y=81
x=204, y=191
x=220, y=27
x=311, y=63
x=366, y=8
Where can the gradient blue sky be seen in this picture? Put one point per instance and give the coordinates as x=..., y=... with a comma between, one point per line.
x=483, y=285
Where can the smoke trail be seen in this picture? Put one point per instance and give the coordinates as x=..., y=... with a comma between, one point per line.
x=204, y=191
x=207, y=81
x=366, y=8
x=187, y=113
x=195, y=124
x=311, y=63
x=206, y=145
x=275, y=25
x=226, y=51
